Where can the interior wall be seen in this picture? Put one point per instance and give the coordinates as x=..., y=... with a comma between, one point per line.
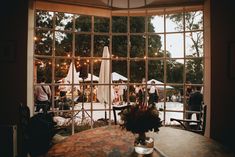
x=13, y=63
x=222, y=86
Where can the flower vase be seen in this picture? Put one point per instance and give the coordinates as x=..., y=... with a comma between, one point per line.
x=143, y=144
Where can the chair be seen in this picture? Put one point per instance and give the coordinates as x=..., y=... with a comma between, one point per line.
x=118, y=108
x=201, y=124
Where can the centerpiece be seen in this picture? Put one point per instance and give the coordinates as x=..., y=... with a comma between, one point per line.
x=139, y=119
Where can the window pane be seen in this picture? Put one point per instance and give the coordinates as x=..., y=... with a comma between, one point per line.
x=119, y=46
x=119, y=69
x=194, y=70
x=156, y=46
x=137, y=46
x=174, y=45
x=174, y=22
x=83, y=23
x=174, y=98
x=177, y=115
x=137, y=71
x=101, y=24
x=44, y=19
x=64, y=21
x=82, y=45
x=99, y=42
x=156, y=70
x=194, y=20
x=174, y=71
x=119, y=24
x=63, y=44
x=194, y=44
x=156, y=24
x=42, y=69
x=43, y=42
x=62, y=67
x=137, y=24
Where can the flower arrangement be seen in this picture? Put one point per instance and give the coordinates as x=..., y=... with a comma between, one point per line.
x=140, y=118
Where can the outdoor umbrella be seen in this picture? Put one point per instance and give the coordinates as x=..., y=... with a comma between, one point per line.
x=103, y=92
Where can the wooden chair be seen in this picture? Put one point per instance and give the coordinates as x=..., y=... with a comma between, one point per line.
x=201, y=123
x=118, y=108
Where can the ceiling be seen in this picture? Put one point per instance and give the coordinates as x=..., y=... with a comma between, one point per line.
x=124, y=4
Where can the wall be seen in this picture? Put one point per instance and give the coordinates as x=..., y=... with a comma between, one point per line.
x=222, y=87
x=13, y=60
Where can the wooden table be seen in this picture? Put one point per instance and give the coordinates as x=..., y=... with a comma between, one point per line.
x=109, y=141
x=112, y=141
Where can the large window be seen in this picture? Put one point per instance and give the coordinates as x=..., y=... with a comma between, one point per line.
x=165, y=47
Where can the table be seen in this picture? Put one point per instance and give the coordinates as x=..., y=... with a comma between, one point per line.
x=172, y=142
x=112, y=141
x=108, y=141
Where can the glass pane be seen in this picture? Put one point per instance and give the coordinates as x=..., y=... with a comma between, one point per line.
x=137, y=46
x=119, y=46
x=175, y=70
x=174, y=98
x=99, y=42
x=178, y=115
x=137, y=71
x=62, y=67
x=156, y=70
x=44, y=19
x=82, y=45
x=64, y=21
x=96, y=67
x=119, y=72
x=137, y=24
x=193, y=20
x=63, y=44
x=65, y=94
x=194, y=44
x=101, y=24
x=41, y=98
x=194, y=70
x=156, y=46
x=43, y=42
x=119, y=24
x=156, y=24
x=175, y=45
x=83, y=23
x=42, y=69
x=174, y=22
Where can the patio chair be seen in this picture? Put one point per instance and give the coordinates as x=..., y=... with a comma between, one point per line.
x=201, y=123
x=118, y=108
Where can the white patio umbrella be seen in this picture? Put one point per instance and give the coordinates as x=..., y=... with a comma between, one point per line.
x=116, y=77
x=159, y=84
x=103, y=91
x=73, y=76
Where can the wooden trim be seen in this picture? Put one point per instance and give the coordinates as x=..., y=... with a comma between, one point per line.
x=68, y=8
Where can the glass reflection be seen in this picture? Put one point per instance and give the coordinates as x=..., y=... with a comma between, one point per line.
x=156, y=46
x=64, y=21
x=175, y=45
x=194, y=70
x=83, y=45
x=43, y=42
x=137, y=46
x=42, y=69
x=194, y=44
x=44, y=19
x=156, y=24
x=119, y=46
x=175, y=70
x=63, y=44
x=83, y=23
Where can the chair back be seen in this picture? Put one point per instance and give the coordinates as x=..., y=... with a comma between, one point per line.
x=118, y=108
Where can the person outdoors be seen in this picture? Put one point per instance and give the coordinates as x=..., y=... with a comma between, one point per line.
x=63, y=89
x=195, y=102
x=42, y=96
x=153, y=94
x=121, y=89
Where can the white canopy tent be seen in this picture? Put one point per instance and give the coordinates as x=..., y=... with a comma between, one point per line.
x=159, y=84
x=94, y=78
x=116, y=77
